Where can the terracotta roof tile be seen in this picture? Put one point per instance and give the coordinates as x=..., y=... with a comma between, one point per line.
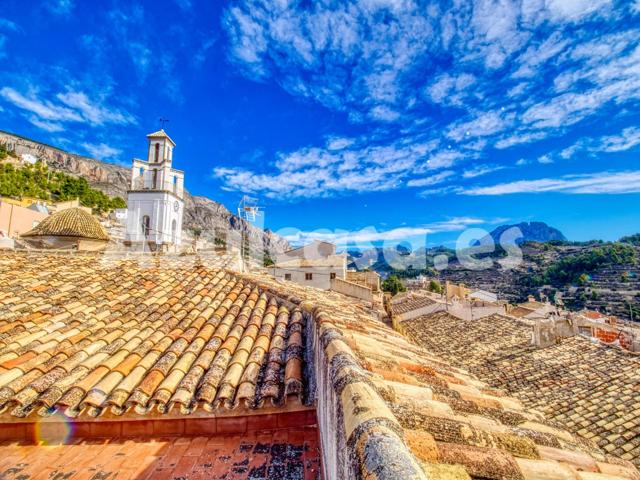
x=587, y=387
x=410, y=302
x=73, y=222
x=151, y=341
x=181, y=335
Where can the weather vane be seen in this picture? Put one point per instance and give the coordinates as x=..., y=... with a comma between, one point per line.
x=163, y=122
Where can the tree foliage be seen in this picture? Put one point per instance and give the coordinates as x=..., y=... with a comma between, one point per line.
x=575, y=268
x=37, y=181
x=393, y=285
x=435, y=286
x=5, y=152
x=632, y=239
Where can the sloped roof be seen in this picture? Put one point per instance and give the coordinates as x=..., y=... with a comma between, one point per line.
x=72, y=222
x=484, y=296
x=411, y=302
x=161, y=134
x=85, y=336
x=588, y=387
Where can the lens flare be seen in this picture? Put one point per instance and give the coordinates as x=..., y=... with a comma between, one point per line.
x=53, y=430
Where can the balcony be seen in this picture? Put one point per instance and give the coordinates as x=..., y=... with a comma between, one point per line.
x=142, y=183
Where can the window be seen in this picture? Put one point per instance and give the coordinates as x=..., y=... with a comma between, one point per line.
x=332, y=276
x=287, y=276
x=157, y=152
x=308, y=276
x=146, y=225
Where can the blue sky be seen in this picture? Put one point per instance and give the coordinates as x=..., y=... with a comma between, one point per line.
x=410, y=117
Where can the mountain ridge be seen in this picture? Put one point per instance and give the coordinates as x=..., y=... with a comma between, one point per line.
x=531, y=232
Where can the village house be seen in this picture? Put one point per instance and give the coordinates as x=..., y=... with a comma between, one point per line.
x=16, y=219
x=314, y=265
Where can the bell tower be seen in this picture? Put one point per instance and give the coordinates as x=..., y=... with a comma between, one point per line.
x=155, y=205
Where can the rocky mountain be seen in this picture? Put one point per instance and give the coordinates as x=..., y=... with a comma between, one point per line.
x=531, y=232
x=212, y=218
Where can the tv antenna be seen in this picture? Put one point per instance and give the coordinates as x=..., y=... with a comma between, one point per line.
x=248, y=209
x=163, y=122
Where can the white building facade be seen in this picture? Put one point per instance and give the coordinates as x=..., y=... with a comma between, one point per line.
x=155, y=206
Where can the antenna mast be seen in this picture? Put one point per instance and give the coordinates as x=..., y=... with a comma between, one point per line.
x=249, y=211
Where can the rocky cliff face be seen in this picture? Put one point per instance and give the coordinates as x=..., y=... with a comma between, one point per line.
x=211, y=217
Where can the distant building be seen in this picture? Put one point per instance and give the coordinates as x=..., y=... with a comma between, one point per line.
x=70, y=229
x=368, y=278
x=155, y=205
x=482, y=298
x=16, y=219
x=60, y=206
x=317, y=249
x=313, y=272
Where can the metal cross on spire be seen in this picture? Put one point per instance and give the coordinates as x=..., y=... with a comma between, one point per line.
x=163, y=122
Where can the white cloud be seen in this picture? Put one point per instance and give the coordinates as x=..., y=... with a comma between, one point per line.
x=595, y=183
x=60, y=7
x=42, y=108
x=101, y=151
x=72, y=107
x=93, y=113
x=45, y=125
x=185, y=5
x=628, y=138
x=480, y=170
x=370, y=235
x=545, y=159
x=317, y=172
x=6, y=24
x=517, y=72
x=432, y=180
x=575, y=9
x=451, y=90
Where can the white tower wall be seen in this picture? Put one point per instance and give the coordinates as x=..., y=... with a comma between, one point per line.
x=155, y=207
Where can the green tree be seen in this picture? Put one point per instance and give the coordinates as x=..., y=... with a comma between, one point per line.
x=393, y=285
x=571, y=268
x=632, y=239
x=37, y=181
x=435, y=286
x=268, y=261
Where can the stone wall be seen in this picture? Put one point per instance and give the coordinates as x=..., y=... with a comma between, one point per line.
x=352, y=289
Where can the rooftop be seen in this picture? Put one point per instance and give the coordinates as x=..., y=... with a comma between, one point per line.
x=72, y=222
x=161, y=134
x=585, y=386
x=86, y=337
x=338, y=260
x=409, y=302
x=386, y=407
